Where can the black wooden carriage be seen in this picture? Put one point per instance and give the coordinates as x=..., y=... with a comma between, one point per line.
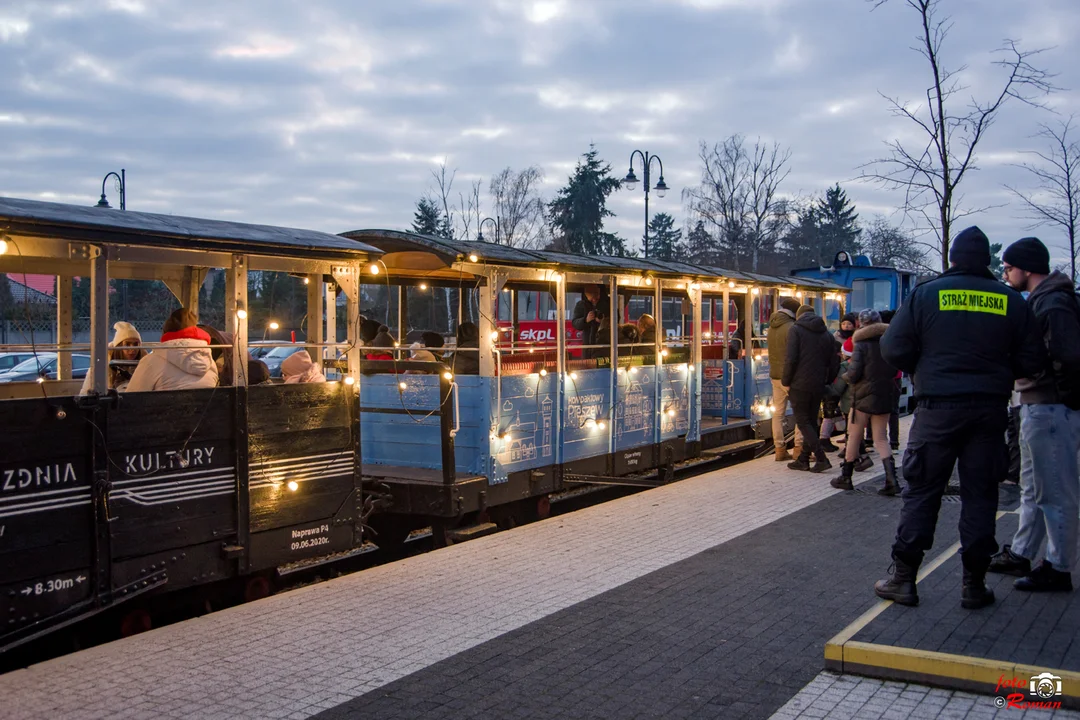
x=105, y=497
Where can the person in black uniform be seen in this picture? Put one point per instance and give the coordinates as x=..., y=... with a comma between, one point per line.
x=966, y=337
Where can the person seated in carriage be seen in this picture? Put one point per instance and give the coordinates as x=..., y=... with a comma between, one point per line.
x=185, y=362
x=124, y=357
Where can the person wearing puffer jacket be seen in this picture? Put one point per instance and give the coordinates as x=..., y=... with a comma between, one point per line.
x=299, y=368
x=184, y=363
x=874, y=390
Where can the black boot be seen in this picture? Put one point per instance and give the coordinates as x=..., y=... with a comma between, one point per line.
x=843, y=482
x=827, y=445
x=891, y=485
x=802, y=462
x=975, y=594
x=1045, y=578
x=900, y=587
x=864, y=463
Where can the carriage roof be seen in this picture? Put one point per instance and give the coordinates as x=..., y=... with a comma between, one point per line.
x=434, y=257
x=33, y=218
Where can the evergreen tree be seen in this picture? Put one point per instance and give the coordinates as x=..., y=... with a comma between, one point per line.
x=997, y=266
x=837, y=223
x=7, y=302
x=665, y=242
x=428, y=219
x=700, y=245
x=579, y=209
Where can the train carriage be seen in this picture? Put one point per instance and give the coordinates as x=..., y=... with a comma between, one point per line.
x=106, y=496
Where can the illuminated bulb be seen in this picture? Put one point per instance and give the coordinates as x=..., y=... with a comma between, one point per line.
x=772, y=408
x=686, y=367
x=543, y=372
x=602, y=425
x=680, y=286
x=633, y=371
x=40, y=380
x=241, y=313
x=556, y=276
x=573, y=376
x=754, y=291
x=507, y=437
x=473, y=257
x=532, y=350
x=423, y=286
x=798, y=294
x=273, y=325
x=293, y=485
x=350, y=380
x=397, y=344
x=707, y=335
x=494, y=335
x=731, y=283
x=3, y=246
x=448, y=375
x=590, y=423
x=648, y=281
x=307, y=281
x=671, y=412
x=663, y=353
x=402, y=385
x=757, y=357
x=373, y=268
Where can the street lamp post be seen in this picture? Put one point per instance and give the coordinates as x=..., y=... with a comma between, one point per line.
x=631, y=182
x=480, y=230
x=103, y=203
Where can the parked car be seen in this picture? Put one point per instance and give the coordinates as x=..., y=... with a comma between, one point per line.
x=44, y=365
x=276, y=356
x=9, y=360
x=259, y=348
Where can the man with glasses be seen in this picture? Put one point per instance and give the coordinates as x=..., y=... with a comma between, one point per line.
x=1049, y=428
x=965, y=337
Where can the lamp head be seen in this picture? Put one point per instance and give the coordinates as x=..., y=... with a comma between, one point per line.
x=630, y=180
x=661, y=187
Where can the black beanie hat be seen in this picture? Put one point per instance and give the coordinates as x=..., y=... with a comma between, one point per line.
x=1028, y=254
x=790, y=304
x=971, y=248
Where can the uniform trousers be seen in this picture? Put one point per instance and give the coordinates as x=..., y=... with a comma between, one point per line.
x=944, y=433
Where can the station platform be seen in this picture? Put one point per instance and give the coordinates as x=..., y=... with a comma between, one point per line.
x=712, y=597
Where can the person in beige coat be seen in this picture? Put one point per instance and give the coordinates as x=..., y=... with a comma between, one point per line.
x=184, y=363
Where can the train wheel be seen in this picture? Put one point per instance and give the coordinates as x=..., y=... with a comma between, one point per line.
x=135, y=622
x=257, y=588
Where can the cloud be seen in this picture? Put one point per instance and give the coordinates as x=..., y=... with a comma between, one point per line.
x=329, y=115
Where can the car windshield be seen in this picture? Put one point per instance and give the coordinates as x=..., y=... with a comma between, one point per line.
x=282, y=352
x=33, y=364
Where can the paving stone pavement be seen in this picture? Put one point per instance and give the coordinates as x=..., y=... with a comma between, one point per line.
x=731, y=632
x=848, y=697
x=304, y=651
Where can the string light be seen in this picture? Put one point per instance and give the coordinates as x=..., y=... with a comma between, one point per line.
x=448, y=375
x=507, y=437
x=373, y=268
x=573, y=376
x=273, y=325
x=350, y=380
x=590, y=423
x=543, y=372
x=664, y=353
x=754, y=291
x=494, y=336
x=473, y=257
x=307, y=281
x=671, y=412
x=241, y=312
x=648, y=280
x=633, y=371
x=402, y=385
x=293, y=485
x=731, y=283
x=602, y=425
x=423, y=286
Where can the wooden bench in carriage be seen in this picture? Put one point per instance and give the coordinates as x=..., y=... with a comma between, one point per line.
x=106, y=497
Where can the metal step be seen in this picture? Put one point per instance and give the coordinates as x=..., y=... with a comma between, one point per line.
x=472, y=531
x=732, y=448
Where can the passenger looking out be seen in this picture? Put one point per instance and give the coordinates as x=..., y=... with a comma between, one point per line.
x=589, y=312
x=185, y=361
x=300, y=368
x=369, y=329
x=123, y=358
x=646, y=325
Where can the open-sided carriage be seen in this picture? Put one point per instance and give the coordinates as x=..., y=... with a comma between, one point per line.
x=104, y=497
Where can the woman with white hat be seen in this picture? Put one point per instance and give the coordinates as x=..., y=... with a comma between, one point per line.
x=123, y=357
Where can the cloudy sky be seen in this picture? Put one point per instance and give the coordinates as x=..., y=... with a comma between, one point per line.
x=330, y=114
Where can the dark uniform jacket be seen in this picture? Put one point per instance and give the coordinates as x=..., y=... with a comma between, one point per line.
x=964, y=335
x=813, y=356
x=871, y=377
x=1057, y=311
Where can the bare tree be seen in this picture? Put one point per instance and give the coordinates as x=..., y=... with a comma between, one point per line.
x=738, y=195
x=888, y=245
x=519, y=207
x=1056, y=198
x=930, y=172
x=469, y=213
x=444, y=185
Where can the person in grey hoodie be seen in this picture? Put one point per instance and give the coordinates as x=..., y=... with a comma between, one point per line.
x=776, y=338
x=1049, y=428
